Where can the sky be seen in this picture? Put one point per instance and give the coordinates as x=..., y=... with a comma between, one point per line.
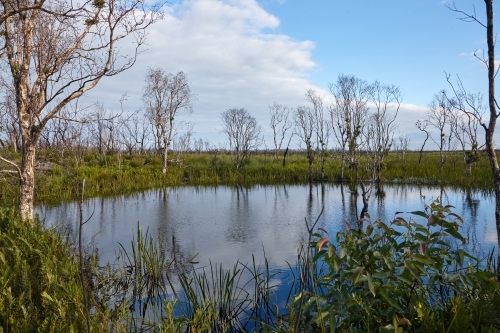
x=249, y=54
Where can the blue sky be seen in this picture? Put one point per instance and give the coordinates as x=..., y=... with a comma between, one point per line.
x=249, y=54
x=408, y=43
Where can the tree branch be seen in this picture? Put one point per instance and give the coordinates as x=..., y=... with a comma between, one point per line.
x=18, y=170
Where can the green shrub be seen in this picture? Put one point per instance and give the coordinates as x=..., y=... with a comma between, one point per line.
x=401, y=277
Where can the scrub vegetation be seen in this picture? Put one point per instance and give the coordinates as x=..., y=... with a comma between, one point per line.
x=411, y=274
x=113, y=174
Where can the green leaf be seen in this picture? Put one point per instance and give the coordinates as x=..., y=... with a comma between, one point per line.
x=459, y=256
x=331, y=251
x=452, y=232
x=369, y=230
x=419, y=213
x=370, y=283
x=423, y=258
x=336, y=264
x=389, y=297
x=389, y=263
x=484, y=275
x=356, y=274
x=412, y=268
x=343, y=252
x=403, y=277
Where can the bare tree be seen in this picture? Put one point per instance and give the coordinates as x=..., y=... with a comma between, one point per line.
x=321, y=127
x=105, y=129
x=55, y=51
x=135, y=135
x=61, y=133
x=464, y=127
x=182, y=144
x=403, y=144
x=242, y=132
x=165, y=96
x=382, y=123
x=348, y=115
x=304, y=129
x=493, y=107
x=280, y=125
x=438, y=116
x=422, y=126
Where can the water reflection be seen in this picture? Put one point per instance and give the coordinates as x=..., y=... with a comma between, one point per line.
x=226, y=224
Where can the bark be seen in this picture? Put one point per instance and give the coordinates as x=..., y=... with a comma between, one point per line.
x=490, y=148
x=27, y=181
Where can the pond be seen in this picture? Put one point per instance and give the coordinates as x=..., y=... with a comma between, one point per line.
x=229, y=224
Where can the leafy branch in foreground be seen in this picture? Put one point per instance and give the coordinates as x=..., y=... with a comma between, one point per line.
x=402, y=276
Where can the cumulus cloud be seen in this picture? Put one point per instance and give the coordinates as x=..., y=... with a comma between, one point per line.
x=233, y=58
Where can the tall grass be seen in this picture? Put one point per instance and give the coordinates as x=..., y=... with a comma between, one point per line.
x=40, y=288
x=121, y=174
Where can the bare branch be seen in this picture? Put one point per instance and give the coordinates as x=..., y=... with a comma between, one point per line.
x=466, y=16
x=18, y=170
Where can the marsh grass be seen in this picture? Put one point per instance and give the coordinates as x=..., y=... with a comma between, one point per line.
x=40, y=288
x=113, y=174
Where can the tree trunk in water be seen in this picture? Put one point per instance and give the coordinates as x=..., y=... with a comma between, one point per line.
x=27, y=181
x=365, y=196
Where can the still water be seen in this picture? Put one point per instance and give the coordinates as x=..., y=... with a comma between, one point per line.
x=225, y=224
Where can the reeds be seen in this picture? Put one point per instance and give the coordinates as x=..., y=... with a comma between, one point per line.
x=121, y=174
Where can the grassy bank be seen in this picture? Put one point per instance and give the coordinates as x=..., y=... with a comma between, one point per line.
x=377, y=278
x=111, y=174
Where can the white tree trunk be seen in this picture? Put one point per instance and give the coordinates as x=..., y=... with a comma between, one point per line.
x=27, y=181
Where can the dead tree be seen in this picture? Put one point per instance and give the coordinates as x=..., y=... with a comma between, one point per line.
x=54, y=52
x=382, y=123
x=304, y=128
x=464, y=127
x=321, y=127
x=280, y=125
x=243, y=134
x=402, y=145
x=422, y=126
x=348, y=115
x=165, y=97
x=493, y=107
x=438, y=116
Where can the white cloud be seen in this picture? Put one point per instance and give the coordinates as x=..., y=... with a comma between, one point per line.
x=232, y=58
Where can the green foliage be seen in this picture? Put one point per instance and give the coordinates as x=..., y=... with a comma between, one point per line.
x=112, y=174
x=405, y=276
x=39, y=289
x=399, y=277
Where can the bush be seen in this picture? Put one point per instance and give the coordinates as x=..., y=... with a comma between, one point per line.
x=399, y=277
